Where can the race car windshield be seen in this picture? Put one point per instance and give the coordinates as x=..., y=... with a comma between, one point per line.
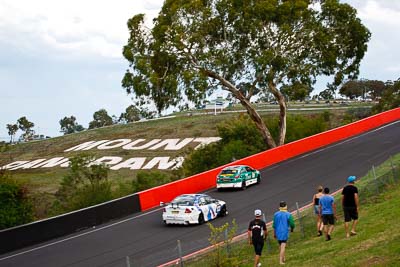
x=187, y=201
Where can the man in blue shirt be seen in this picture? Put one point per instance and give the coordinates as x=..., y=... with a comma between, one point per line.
x=327, y=210
x=283, y=220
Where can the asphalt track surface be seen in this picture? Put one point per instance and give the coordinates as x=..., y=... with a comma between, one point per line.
x=147, y=242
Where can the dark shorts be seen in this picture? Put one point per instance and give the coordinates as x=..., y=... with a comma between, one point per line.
x=350, y=213
x=258, y=246
x=328, y=219
x=282, y=241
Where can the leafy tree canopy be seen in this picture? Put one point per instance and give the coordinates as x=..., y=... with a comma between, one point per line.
x=362, y=88
x=12, y=130
x=70, y=125
x=390, y=97
x=25, y=125
x=131, y=114
x=100, y=119
x=296, y=91
x=245, y=47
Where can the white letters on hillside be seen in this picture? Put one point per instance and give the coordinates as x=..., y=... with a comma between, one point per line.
x=141, y=144
x=117, y=163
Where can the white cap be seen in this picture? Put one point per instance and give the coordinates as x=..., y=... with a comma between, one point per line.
x=257, y=212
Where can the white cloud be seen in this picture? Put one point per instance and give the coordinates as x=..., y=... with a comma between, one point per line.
x=79, y=27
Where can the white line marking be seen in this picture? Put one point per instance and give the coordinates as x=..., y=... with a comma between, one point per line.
x=76, y=236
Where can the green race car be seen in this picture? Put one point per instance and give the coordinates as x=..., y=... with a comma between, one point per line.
x=238, y=176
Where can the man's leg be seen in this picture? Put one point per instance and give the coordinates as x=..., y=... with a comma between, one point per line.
x=353, y=228
x=346, y=228
x=282, y=253
x=256, y=260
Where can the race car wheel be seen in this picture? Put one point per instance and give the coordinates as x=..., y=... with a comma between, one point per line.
x=223, y=212
x=201, y=218
x=243, y=185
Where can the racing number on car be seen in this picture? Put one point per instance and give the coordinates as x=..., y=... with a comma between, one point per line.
x=218, y=208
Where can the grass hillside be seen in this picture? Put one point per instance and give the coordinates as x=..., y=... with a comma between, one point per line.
x=377, y=242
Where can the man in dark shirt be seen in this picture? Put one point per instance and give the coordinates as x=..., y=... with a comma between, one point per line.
x=350, y=205
x=257, y=233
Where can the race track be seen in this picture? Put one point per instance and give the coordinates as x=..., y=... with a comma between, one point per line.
x=148, y=242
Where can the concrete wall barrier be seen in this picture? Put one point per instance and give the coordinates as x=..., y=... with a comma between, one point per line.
x=40, y=231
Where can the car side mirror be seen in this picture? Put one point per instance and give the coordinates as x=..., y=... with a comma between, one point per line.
x=162, y=204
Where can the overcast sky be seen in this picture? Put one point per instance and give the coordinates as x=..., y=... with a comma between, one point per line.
x=62, y=58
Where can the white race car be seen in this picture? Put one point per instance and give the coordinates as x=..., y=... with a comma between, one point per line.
x=193, y=209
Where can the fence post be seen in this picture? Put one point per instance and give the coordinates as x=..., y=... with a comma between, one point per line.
x=128, y=262
x=300, y=220
x=267, y=239
x=180, y=253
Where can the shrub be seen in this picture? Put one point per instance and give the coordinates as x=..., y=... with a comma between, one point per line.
x=221, y=238
x=15, y=207
x=85, y=185
x=148, y=179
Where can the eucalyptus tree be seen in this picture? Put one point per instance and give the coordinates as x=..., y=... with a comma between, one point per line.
x=26, y=126
x=12, y=130
x=70, y=125
x=246, y=47
x=131, y=114
x=100, y=119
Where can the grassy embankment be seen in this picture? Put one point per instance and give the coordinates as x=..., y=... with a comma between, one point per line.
x=376, y=244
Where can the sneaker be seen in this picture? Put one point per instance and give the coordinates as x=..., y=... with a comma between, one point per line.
x=353, y=233
x=319, y=233
x=259, y=264
x=328, y=237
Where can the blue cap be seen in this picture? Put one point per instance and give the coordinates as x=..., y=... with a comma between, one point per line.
x=351, y=179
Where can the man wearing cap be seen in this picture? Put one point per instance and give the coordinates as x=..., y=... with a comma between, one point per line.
x=257, y=233
x=350, y=205
x=283, y=220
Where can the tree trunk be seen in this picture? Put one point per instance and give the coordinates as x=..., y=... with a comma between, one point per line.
x=250, y=110
x=282, y=112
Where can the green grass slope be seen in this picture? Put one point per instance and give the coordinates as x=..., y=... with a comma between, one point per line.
x=376, y=244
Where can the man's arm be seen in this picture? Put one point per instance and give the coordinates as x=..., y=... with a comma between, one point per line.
x=265, y=231
x=356, y=200
x=291, y=223
x=334, y=209
x=249, y=236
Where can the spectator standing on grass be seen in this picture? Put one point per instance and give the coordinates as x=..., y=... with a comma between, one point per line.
x=257, y=233
x=283, y=220
x=315, y=201
x=327, y=210
x=350, y=205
